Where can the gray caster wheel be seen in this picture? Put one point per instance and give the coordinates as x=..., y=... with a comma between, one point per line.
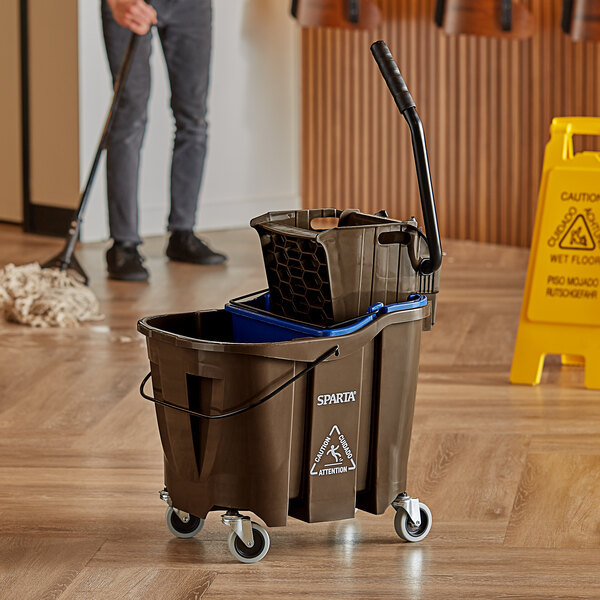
x=180, y=528
x=407, y=530
x=262, y=543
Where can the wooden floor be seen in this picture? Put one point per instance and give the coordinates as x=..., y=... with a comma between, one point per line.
x=511, y=473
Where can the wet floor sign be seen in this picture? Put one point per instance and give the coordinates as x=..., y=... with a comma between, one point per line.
x=561, y=305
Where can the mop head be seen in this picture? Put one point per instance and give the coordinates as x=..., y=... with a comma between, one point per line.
x=38, y=297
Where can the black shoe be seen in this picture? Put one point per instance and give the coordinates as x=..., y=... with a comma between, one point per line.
x=125, y=263
x=184, y=246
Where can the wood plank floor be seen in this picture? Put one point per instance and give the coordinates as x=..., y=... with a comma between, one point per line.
x=511, y=473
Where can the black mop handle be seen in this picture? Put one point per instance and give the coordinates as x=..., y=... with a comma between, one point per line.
x=66, y=255
x=110, y=119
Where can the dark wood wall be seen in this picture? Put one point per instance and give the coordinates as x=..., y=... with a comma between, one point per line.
x=486, y=105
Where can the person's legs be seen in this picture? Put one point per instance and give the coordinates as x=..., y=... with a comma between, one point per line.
x=125, y=141
x=186, y=42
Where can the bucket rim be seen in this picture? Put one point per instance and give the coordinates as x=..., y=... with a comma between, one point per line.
x=300, y=349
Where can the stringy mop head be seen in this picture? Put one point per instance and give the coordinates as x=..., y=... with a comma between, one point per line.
x=38, y=297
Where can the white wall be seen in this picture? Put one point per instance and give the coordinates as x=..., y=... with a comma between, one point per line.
x=254, y=116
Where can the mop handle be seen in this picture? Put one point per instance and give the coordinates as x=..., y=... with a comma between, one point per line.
x=65, y=258
x=110, y=119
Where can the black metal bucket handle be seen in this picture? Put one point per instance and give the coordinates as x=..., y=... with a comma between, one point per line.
x=406, y=105
x=335, y=350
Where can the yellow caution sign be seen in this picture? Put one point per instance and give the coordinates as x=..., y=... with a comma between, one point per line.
x=561, y=304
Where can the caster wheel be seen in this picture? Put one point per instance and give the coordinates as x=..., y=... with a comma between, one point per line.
x=180, y=529
x=262, y=543
x=407, y=530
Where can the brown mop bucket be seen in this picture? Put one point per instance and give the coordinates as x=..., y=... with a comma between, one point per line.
x=312, y=427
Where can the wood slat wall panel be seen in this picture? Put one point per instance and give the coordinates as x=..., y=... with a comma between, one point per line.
x=486, y=105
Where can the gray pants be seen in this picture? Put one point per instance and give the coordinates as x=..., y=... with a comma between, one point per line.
x=184, y=28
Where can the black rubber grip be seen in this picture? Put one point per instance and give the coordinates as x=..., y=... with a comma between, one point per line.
x=391, y=73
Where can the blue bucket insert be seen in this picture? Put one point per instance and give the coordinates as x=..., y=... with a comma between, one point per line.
x=253, y=323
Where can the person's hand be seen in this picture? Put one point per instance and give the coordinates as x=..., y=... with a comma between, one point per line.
x=136, y=15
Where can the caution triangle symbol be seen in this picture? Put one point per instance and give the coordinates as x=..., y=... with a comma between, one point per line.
x=334, y=455
x=578, y=236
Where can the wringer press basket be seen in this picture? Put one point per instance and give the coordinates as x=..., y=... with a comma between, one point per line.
x=328, y=276
x=299, y=401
